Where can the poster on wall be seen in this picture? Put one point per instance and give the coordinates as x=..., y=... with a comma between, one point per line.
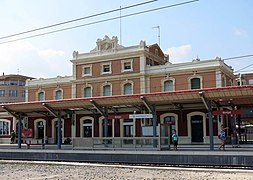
x=26, y=133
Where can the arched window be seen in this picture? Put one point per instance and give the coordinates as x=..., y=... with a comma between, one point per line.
x=168, y=86
x=4, y=127
x=128, y=88
x=87, y=128
x=195, y=83
x=41, y=96
x=87, y=92
x=107, y=90
x=58, y=94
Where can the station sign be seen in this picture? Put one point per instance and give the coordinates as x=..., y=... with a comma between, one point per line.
x=226, y=112
x=140, y=116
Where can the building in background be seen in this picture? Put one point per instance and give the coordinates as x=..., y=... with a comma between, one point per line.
x=12, y=90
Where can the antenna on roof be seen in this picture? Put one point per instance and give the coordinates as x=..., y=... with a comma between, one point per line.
x=120, y=34
x=158, y=35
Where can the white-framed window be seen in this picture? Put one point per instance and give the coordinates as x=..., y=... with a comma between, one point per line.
x=107, y=90
x=13, y=93
x=195, y=82
x=87, y=91
x=87, y=70
x=41, y=96
x=4, y=127
x=250, y=81
x=168, y=84
x=127, y=65
x=128, y=88
x=58, y=94
x=106, y=68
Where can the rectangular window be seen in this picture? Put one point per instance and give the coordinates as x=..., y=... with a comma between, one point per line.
x=106, y=68
x=127, y=65
x=251, y=81
x=4, y=128
x=23, y=93
x=87, y=70
x=2, y=93
x=13, y=93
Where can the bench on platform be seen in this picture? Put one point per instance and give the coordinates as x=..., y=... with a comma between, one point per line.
x=37, y=143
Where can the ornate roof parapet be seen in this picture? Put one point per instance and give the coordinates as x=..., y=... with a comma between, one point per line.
x=107, y=44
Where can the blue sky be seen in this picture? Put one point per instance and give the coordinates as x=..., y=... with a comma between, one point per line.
x=204, y=29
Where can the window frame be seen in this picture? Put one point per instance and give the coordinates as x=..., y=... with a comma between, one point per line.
x=38, y=96
x=2, y=121
x=55, y=93
x=85, y=87
x=2, y=93
x=193, y=77
x=123, y=62
x=102, y=89
x=165, y=80
x=83, y=70
x=106, y=64
x=13, y=93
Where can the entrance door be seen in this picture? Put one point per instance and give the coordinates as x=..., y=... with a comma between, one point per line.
x=197, y=128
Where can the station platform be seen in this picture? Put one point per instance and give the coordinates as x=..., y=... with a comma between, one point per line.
x=197, y=154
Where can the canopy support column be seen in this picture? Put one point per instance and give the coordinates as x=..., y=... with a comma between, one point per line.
x=103, y=112
x=152, y=109
x=59, y=133
x=210, y=114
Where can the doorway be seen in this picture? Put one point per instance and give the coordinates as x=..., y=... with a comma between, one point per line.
x=197, y=128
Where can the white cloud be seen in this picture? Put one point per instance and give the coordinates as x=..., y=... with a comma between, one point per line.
x=240, y=32
x=24, y=58
x=179, y=54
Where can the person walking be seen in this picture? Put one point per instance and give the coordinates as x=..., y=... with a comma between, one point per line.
x=222, y=136
x=175, y=139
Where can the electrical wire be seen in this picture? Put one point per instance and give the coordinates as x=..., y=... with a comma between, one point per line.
x=78, y=19
x=101, y=21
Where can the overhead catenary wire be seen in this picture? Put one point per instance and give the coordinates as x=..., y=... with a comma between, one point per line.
x=101, y=21
x=78, y=19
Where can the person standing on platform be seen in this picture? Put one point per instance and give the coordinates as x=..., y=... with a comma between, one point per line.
x=13, y=136
x=222, y=136
x=175, y=139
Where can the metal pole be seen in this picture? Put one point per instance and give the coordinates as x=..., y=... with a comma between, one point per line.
x=19, y=131
x=211, y=129
x=106, y=125
x=59, y=130
x=154, y=127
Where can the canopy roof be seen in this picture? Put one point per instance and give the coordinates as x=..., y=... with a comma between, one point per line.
x=226, y=96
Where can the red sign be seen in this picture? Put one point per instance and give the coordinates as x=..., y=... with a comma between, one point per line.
x=118, y=116
x=224, y=112
x=27, y=133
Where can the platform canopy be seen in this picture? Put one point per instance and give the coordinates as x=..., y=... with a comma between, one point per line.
x=185, y=99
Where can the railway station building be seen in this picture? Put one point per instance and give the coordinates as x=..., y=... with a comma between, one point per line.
x=127, y=92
